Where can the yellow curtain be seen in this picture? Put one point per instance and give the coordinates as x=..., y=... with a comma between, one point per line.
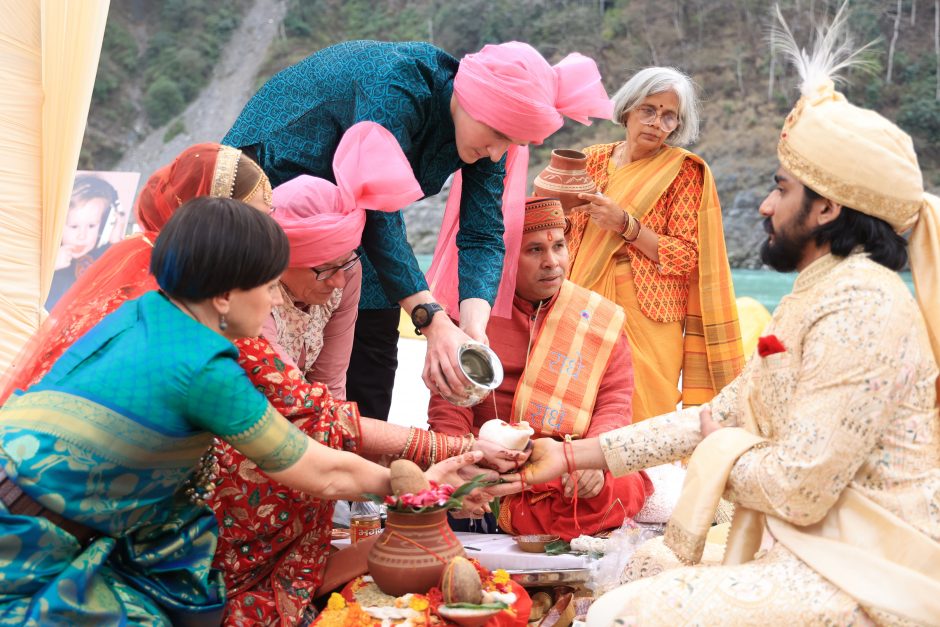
x=49, y=53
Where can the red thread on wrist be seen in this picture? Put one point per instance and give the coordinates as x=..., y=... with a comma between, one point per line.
x=566, y=449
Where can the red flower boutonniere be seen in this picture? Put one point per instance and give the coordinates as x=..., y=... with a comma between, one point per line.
x=770, y=345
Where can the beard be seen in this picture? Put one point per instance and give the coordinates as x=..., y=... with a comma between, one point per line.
x=786, y=251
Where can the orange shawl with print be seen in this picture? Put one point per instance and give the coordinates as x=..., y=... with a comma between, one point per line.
x=713, y=354
x=558, y=389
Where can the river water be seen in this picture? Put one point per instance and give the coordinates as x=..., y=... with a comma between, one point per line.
x=765, y=286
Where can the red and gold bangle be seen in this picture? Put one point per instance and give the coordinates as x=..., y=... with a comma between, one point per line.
x=420, y=456
x=626, y=223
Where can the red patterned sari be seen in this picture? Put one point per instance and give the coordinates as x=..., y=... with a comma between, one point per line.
x=274, y=541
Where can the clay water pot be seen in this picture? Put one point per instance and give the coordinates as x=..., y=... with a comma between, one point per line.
x=412, y=552
x=564, y=178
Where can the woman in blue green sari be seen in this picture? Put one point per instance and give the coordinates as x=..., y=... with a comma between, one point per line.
x=102, y=519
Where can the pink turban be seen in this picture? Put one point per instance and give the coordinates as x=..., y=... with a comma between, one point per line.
x=510, y=87
x=324, y=221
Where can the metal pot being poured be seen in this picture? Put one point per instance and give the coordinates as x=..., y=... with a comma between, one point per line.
x=484, y=370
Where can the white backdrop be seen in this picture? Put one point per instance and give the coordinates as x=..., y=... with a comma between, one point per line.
x=49, y=53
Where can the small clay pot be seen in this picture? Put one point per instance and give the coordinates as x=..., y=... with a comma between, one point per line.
x=412, y=552
x=564, y=178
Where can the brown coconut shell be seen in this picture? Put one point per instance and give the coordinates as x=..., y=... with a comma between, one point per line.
x=461, y=583
x=407, y=478
x=541, y=603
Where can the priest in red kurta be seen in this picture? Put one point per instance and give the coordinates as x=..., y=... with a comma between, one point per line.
x=567, y=371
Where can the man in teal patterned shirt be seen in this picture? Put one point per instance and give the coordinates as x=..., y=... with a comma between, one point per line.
x=293, y=125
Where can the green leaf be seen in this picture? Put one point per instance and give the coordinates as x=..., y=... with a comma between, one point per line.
x=470, y=486
x=557, y=547
x=375, y=498
x=494, y=507
x=499, y=605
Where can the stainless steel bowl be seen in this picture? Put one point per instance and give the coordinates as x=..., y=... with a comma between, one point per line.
x=484, y=370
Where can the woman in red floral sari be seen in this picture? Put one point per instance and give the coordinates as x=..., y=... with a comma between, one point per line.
x=273, y=541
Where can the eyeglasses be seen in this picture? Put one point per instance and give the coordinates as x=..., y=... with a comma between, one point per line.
x=646, y=114
x=324, y=274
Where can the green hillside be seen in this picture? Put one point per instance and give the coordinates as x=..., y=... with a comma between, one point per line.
x=158, y=55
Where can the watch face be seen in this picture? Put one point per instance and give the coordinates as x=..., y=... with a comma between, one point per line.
x=420, y=316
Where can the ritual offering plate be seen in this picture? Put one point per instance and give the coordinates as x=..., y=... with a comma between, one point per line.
x=503, y=602
x=534, y=543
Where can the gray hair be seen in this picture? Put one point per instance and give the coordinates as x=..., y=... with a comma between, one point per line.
x=656, y=80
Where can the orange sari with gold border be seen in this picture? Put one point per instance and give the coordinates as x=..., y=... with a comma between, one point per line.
x=712, y=351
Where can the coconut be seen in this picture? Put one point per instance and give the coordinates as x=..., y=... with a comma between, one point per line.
x=407, y=478
x=541, y=603
x=461, y=583
x=513, y=437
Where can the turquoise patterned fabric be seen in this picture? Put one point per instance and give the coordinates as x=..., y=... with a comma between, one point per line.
x=108, y=438
x=296, y=120
x=152, y=362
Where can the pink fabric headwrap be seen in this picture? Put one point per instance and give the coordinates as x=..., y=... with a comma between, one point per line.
x=510, y=87
x=324, y=221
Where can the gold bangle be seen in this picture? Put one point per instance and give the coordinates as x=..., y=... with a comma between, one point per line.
x=633, y=231
x=626, y=222
x=411, y=436
x=433, y=448
x=467, y=445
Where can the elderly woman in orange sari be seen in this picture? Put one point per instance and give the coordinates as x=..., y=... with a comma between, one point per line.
x=651, y=240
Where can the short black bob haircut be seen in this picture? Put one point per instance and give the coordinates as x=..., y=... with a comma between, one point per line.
x=211, y=246
x=853, y=228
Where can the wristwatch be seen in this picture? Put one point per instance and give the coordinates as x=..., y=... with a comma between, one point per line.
x=422, y=314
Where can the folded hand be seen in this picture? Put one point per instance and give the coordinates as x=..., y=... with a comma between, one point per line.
x=590, y=483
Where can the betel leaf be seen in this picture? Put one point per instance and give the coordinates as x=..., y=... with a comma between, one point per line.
x=499, y=605
x=469, y=486
x=557, y=547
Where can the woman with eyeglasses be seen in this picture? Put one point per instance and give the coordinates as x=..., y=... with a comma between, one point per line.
x=274, y=541
x=651, y=240
x=314, y=328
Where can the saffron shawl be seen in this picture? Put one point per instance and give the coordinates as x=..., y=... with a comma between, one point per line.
x=713, y=353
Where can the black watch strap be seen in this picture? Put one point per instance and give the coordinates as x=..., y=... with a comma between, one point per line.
x=422, y=315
